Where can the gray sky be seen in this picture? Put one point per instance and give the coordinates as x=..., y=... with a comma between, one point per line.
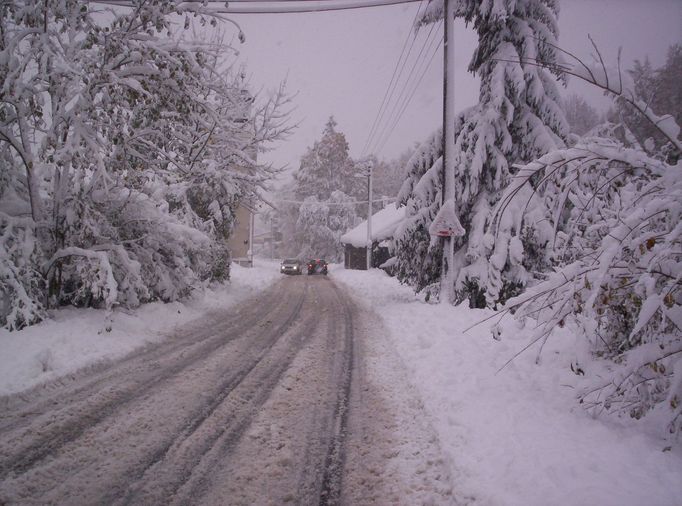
x=341, y=63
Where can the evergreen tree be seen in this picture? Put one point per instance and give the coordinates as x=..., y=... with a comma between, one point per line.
x=580, y=115
x=418, y=259
x=326, y=183
x=660, y=89
x=517, y=119
x=327, y=167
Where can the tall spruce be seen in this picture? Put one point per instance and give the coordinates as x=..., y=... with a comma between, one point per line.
x=518, y=118
x=326, y=183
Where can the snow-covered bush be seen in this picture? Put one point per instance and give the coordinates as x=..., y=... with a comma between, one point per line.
x=128, y=150
x=617, y=232
x=21, y=284
x=517, y=119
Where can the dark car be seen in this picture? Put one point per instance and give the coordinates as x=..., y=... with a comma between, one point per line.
x=291, y=266
x=317, y=266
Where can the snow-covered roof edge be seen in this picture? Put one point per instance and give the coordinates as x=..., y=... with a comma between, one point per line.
x=384, y=224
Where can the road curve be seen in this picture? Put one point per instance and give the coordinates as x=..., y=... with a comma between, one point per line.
x=246, y=406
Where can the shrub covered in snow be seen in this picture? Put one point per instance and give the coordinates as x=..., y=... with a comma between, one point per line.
x=518, y=118
x=615, y=239
x=125, y=153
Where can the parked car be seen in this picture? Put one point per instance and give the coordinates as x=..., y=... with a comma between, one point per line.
x=291, y=266
x=317, y=266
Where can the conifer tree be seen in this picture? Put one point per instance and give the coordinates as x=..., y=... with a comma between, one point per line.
x=517, y=119
x=326, y=183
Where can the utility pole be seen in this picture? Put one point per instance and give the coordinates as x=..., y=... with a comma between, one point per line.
x=448, y=190
x=369, y=214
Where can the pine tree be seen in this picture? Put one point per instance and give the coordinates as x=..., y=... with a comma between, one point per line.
x=660, y=89
x=517, y=119
x=580, y=116
x=326, y=182
x=418, y=259
x=327, y=167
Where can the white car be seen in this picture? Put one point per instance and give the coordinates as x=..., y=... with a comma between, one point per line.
x=291, y=266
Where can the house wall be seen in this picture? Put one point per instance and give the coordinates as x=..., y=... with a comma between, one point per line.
x=356, y=258
x=239, y=241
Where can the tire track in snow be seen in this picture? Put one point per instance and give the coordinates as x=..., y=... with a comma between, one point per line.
x=132, y=377
x=177, y=462
x=330, y=493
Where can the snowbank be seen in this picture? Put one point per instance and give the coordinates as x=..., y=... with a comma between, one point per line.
x=517, y=437
x=75, y=338
x=384, y=224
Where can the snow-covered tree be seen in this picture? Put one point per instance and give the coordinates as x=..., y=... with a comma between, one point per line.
x=126, y=151
x=418, y=258
x=327, y=167
x=612, y=224
x=660, y=89
x=320, y=226
x=326, y=185
x=580, y=115
x=615, y=236
x=518, y=118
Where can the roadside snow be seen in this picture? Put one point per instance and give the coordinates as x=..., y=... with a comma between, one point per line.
x=518, y=436
x=75, y=338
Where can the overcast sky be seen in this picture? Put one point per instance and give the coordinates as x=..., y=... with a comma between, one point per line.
x=340, y=63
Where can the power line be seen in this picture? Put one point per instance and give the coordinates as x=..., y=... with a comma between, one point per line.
x=303, y=6
x=411, y=96
x=428, y=41
x=391, y=87
x=272, y=7
x=326, y=203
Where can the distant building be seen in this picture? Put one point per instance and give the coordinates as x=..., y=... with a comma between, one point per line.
x=240, y=243
x=384, y=224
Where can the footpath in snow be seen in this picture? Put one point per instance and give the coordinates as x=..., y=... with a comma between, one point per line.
x=75, y=338
x=517, y=436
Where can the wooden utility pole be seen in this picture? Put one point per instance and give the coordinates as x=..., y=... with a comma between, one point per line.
x=370, y=166
x=448, y=178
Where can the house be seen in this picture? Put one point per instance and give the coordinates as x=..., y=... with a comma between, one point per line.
x=240, y=243
x=384, y=224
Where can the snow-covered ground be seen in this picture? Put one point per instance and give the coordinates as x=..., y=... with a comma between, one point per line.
x=75, y=338
x=513, y=437
x=517, y=436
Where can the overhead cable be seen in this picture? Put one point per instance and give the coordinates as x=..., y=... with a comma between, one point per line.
x=273, y=6
x=408, y=99
x=393, y=82
x=413, y=75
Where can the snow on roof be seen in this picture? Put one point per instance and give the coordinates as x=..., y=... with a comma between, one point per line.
x=384, y=224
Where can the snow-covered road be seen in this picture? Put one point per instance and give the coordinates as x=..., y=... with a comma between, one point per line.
x=272, y=402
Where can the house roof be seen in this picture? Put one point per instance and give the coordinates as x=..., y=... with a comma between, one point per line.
x=384, y=224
